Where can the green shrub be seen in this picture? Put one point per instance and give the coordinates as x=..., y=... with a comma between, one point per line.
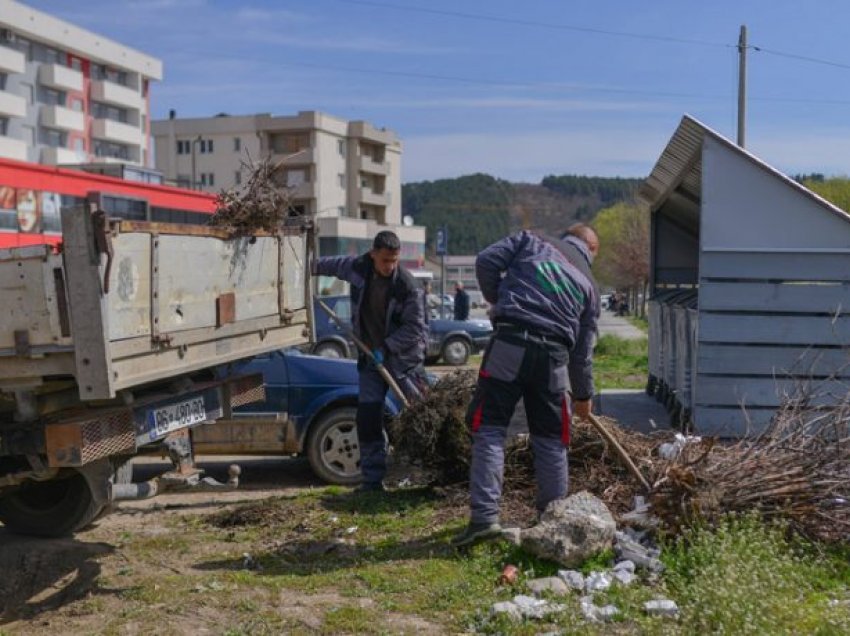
x=744, y=577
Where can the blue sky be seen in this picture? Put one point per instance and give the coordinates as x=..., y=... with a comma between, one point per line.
x=515, y=89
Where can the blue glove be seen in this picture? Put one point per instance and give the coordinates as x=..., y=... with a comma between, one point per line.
x=378, y=355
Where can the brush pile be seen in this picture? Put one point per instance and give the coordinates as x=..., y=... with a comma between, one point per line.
x=432, y=445
x=797, y=470
x=261, y=203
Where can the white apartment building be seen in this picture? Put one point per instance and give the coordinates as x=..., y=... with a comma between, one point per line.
x=346, y=173
x=70, y=96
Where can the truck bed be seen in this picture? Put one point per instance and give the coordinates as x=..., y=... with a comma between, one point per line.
x=126, y=303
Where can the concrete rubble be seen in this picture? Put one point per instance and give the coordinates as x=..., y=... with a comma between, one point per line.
x=661, y=607
x=571, y=530
x=526, y=607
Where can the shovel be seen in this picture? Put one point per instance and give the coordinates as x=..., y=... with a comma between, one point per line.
x=382, y=371
x=624, y=456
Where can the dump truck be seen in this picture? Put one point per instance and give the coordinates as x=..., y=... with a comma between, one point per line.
x=119, y=341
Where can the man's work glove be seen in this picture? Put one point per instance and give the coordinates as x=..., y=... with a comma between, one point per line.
x=378, y=356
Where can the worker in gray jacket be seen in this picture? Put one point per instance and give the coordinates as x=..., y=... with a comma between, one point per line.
x=387, y=315
x=544, y=312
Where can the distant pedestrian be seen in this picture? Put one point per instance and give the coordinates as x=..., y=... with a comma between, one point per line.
x=461, y=309
x=545, y=312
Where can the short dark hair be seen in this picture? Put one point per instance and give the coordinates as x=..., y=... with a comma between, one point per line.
x=386, y=240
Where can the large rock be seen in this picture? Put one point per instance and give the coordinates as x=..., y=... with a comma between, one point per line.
x=571, y=530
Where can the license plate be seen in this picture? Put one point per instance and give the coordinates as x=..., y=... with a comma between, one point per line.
x=176, y=416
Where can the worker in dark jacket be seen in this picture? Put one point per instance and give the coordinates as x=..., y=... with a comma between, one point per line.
x=545, y=312
x=387, y=314
x=461, y=302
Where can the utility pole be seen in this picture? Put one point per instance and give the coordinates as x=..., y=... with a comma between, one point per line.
x=742, y=84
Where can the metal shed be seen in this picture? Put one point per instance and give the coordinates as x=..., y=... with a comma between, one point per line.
x=771, y=262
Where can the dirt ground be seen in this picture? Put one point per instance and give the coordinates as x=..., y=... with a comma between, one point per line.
x=57, y=586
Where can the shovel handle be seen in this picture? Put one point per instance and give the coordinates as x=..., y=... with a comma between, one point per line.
x=624, y=456
x=382, y=370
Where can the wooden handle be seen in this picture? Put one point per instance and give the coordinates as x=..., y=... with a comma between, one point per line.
x=633, y=469
x=382, y=370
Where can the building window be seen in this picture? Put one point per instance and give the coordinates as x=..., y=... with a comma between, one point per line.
x=340, y=144
x=53, y=97
x=77, y=105
x=53, y=138
x=206, y=146
x=341, y=177
x=341, y=210
x=51, y=56
x=207, y=179
x=237, y=177
x=4, y=126
x=3, y=77
x=184, y=147
x=28, y=91
x=80, y=144
x=237, y=144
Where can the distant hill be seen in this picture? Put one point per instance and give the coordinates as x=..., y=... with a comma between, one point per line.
x=479, y=209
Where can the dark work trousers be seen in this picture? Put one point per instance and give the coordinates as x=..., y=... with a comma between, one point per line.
x=519, y=364
x=370, y=419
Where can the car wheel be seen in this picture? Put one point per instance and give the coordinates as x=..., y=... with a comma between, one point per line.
x=456, y=351
x=329, y=350
x=333, y=449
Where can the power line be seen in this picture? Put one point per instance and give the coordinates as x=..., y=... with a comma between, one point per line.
x=804, y=58
x=532, y=23
x=571, y=27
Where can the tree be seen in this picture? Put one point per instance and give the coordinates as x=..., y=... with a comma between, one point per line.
x=623, y=261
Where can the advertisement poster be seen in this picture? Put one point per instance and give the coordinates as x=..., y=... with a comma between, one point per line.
x=51, y=212
x=29, y=213
x=8, y=209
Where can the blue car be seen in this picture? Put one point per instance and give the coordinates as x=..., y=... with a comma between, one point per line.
x=309, y=410
x=451, y=341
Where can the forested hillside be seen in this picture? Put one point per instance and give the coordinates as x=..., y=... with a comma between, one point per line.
x=479, y=209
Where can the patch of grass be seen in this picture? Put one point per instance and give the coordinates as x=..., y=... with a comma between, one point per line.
x=352, y=620
x=641, y=323
x=745, y=577
x=619, y=363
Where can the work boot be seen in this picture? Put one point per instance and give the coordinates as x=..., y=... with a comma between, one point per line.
x=475, y=532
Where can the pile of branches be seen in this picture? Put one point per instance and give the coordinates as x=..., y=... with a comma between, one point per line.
x=432, y=445
x=260, y=203
x=797, y=471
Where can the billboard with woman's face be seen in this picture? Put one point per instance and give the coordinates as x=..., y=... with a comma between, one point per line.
x=29, y=212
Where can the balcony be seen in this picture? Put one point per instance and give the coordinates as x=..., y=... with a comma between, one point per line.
x=367, y=164
x=12, y=61
x=62, y=118
x=12, y=105
x=303, y=157
x=112, y=93
x=61, y=78
x=116, y=131
x=305, y=191
x=370, y=197
x=59, y=156
x=13, y=148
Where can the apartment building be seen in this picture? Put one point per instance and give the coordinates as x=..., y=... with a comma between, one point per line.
x=70, y=96
x=345, y=173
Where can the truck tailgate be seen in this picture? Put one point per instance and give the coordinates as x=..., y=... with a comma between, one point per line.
x=127, y=302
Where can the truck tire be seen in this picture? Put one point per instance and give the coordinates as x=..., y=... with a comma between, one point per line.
x=54, y=508
x=332, y=447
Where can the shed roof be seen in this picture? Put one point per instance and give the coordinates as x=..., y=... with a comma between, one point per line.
x=679, y=168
